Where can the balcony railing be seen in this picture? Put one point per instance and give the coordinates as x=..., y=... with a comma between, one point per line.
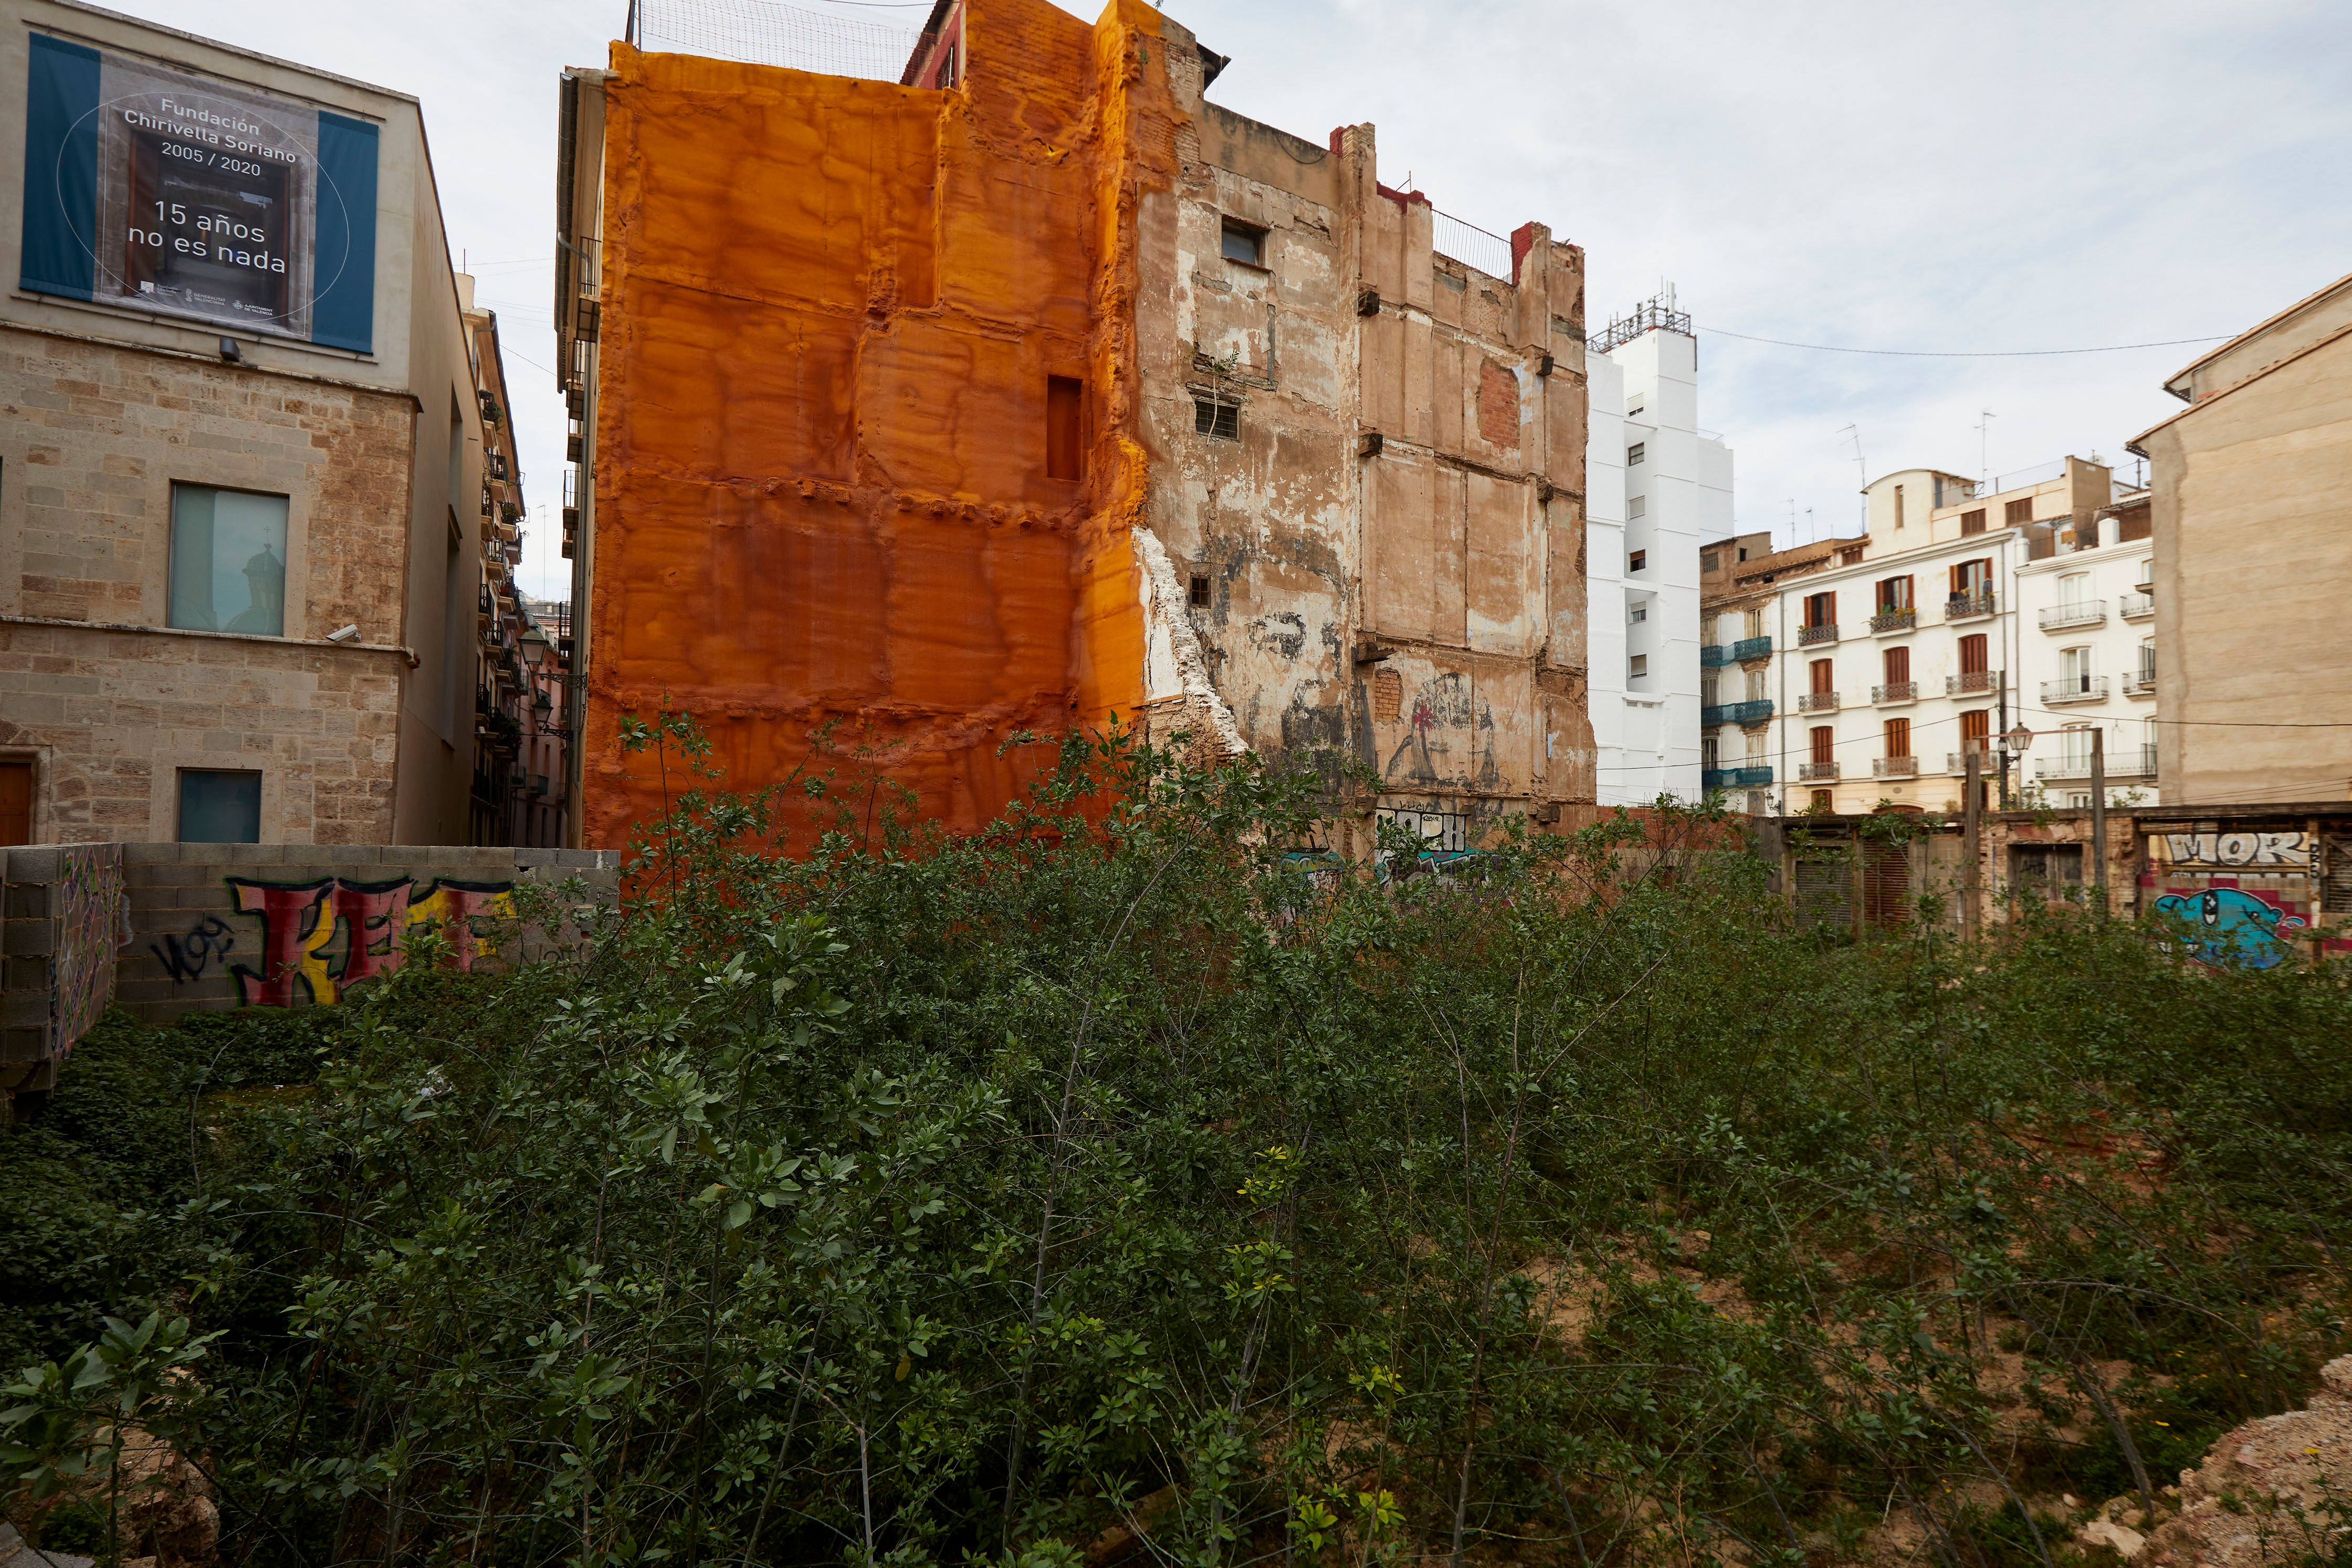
x=2140, y=683
x=1968, y=606
x=2075, y=689
x=1714, y=656
x=2086, y=612
x=2127, y=762
x=1971, y=682
x=1817, y=701
x=1808, y=636
x=1817, y=770
x=1752, y=648
x=1896, y=767
x=1887, y=621
x=1754, y=711
x=1736, y=778
x=1895, y=692
x=2136, y=606
x=1957, y=763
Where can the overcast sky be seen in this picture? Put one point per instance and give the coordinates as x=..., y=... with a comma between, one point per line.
x=1994, y=176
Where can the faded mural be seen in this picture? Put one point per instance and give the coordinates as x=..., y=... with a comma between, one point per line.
x=93, y=927
x=2243, y=898
x=317, y=938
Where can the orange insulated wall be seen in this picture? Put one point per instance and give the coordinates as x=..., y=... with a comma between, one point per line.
x=864, y=430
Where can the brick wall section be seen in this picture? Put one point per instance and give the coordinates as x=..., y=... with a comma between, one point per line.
x=93, y=436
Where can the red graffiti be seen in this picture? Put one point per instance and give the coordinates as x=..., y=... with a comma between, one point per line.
x=376, y=912
x=289, y=918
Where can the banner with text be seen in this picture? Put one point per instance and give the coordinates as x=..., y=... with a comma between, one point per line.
x=161, y=191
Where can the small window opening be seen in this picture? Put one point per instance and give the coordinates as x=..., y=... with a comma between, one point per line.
x=1633, y=453
x=1637, y=560
x=1641, y=612
x=1200, y=596
x=1065, y=418
x=1710, y=561
x=1221, y=421
x=1245, y=242
x=1638, y=666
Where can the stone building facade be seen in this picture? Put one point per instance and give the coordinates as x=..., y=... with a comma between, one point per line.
x=239, y=476
x=1073, y=394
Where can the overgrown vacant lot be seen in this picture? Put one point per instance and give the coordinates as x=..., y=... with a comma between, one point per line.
x=1103, y=1189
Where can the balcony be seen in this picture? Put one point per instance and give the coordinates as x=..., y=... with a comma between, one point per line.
x=1748, y=648
x=1813, y=637
x=1971, y=682
x=2128, y=762
x=1968, y=606
x=1713, y=656
x=2136, y=606
x=1810, y=770
x=1895, y=692
x=1736, y=778
x=2075, y=689
x=1956, y=763
x=2140, y=684
x=1817, y=701
x=1756, y=712
x=1896, y=767
x=1891, y=621
x=2065, y=617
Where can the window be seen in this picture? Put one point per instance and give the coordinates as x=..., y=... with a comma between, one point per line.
x=2018, y=511
x=1898, y=737
x=1633, y=409
x=15, y=802
x=219, y=807
x=1638, y=665
x=2045, y=866
x=1824, y=743
x=1849, y=556
x=1709, y=690
x=1217, y=419
x=1707, y=752
x=1976, y=730
x=1637, y=560
x=1200, y=591
x=1898, y=505
x=229, y=561
x=2076, y=663
x=1894, y=593
x=1972, y=522
x=2074, y=745
x=1897, y=662
x=1821, y=801
x=1822, y=676
x=1245, y=242
x=1064, y=421
x=1755, y=685
x=2147, y=659
x=1821, y=609
x=1755, y=622
x=1972, y=578
x=1975, y=653
x=1638, y=611
x=2074, y=588
x=1709, y=560
x=1638, y=507
x=1633, y=453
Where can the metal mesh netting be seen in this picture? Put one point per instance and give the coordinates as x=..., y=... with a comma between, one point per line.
x=765, y=33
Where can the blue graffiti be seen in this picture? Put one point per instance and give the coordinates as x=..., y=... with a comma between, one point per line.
x=2227, y=926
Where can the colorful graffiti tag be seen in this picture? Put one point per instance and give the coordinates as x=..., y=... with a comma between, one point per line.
x=301, y=959
x=93, y=927
x=2228, y=926
x=2236, y=852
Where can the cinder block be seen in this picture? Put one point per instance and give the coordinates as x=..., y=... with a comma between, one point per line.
x=28, y=938
x=29, y=901
x=35, y=863
x=153, y=854
x=249, y=854
x=535, y=860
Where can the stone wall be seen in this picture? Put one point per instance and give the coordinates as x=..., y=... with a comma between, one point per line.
x=108, y=702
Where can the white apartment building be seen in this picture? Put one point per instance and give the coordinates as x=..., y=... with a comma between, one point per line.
x=2086, y=657
x=1888, y=664
x=1655, y=485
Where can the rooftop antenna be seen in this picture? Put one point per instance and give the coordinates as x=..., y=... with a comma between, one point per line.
x=1862, y=471
x=1984, y=445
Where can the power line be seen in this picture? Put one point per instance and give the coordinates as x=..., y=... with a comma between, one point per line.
x=1967, y=354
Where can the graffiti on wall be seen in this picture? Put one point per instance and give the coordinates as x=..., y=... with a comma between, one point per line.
x=2235, y=851
x=187, y=958
x=1444, y=838
x=301, y=958
x=93, y=927
x=2229, y=926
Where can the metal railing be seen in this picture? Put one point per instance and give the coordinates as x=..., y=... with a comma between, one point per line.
x=1817, y=770
x=1753, y=712
x=1817, y=701
x=2040, y=474
x=1895, y=692
x=2133, y=606
x=1894, y=767
x=1969, y=682
x=2126, y=762
x=2075, y=689
x=1752, y=648
x=1806, y=636
x=1736, y=778
x=1957, y=762
x=1650, y=316
x=1471, y=246
x=1968, y=606
x=1714, y=655
x=1887, y=621
x=2140, y=683
x=2084, y=612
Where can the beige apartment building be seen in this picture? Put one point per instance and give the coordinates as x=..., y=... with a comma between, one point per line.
x=242, y=491
x=2253, y=674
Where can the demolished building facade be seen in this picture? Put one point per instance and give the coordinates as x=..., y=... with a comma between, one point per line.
x=1047, y=391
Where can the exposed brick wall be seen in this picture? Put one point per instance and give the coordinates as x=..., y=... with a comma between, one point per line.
x=92, y=437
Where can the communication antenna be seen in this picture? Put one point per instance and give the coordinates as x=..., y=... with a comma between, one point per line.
x=1984, y=445
x=1861, y=470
